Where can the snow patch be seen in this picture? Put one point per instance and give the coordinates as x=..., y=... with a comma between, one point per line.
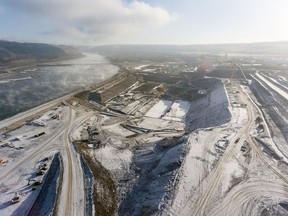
x=232, y=171
x=178, y=111
x=114, y=159
x=118, y=130
x=161, y=124
x=159, y=109
x=274, y=87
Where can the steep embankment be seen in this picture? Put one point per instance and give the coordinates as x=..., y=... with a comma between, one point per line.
x=14, y=54
x=209, y=111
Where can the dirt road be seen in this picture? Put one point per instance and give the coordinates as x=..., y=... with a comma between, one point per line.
x=240, y=194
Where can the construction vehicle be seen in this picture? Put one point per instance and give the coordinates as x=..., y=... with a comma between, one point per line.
x=31, y=180
x=40, y=172
x=16, y=198
x=36, y=182
x=39, y=134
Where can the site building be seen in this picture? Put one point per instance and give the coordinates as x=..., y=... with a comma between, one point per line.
x=102, y=96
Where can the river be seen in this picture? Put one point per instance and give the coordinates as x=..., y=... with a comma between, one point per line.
x=33, y=87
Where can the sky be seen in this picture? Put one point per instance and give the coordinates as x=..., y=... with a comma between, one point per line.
x=97, y=22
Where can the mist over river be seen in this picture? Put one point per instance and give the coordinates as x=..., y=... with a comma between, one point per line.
x=30, y=88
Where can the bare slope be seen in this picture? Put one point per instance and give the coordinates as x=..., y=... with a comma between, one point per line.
x=18, y=54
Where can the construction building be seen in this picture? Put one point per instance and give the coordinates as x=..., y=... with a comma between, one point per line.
x=102, y=96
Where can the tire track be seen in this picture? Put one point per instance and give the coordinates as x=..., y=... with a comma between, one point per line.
x=228, y=206
x=69, y=196
x=215, y=176
x=39, y=149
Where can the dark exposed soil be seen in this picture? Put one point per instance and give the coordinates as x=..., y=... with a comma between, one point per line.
x=104, y=187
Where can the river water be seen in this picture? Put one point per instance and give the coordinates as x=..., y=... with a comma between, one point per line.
x=31, y=88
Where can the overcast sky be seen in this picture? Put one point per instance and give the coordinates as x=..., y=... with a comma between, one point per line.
x=94, y=22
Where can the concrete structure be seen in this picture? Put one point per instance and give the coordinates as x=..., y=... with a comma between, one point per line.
x=107, y=94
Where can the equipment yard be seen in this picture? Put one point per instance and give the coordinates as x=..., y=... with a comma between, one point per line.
x=189, y=143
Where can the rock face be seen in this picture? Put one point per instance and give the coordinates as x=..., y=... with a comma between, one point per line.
x=15, y=54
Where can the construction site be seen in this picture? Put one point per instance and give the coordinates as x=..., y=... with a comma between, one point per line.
x=155, y=139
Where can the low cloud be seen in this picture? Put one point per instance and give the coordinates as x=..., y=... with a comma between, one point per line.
x=92, y=20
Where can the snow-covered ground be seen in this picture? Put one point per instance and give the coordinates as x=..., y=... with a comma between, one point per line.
x=209, y=110
x=117, y=129
x=113, y=159
x=278, y=81
x=24, y=138
x=159, y=109
x=283, y=78
x=17, y=183
x=201, y=159
x=77, y=132
x=131, y=106
x=178, y=158
x=233, y=170
x=161, y=124
x=271, y=85
x=156, y=167
x=178, y=111
x=276, y=112
x=23, y=162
